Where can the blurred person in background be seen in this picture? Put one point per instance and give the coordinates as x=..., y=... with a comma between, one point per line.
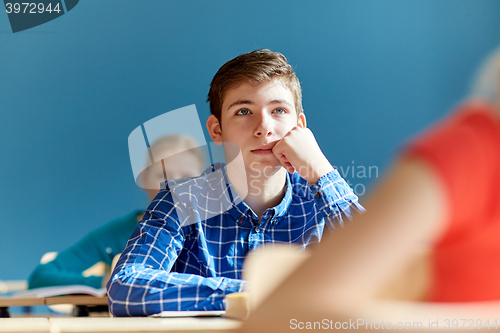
x=443, y=191
x=89, y=261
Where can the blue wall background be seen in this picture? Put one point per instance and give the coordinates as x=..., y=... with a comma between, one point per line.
x=374, y=73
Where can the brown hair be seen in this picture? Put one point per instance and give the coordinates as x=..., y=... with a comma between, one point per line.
x=255, y=67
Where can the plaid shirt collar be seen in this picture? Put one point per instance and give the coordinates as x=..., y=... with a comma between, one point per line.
x=240, y=208
x=215, y=179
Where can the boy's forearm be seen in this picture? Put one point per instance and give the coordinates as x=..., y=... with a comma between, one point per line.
x=142, y=291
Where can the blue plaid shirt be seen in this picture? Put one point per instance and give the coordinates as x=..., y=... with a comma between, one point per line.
x=187, y=252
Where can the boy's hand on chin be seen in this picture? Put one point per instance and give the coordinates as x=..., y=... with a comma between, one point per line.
x=299, y=151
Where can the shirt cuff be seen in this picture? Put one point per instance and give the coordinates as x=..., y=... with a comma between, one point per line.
x=334, y=197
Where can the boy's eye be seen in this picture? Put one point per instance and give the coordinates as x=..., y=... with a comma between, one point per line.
x=279, y=111
x=242, y=112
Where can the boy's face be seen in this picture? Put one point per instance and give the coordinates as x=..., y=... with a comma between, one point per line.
x=256, y=117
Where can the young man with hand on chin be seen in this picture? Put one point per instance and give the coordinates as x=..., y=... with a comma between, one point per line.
x=187, y=253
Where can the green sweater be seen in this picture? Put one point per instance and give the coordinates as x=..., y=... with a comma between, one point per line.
x=100, y=245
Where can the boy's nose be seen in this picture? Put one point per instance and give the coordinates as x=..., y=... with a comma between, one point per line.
x=263, y=127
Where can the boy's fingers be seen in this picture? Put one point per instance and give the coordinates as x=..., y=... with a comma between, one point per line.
x=286, y=164
x=288, y=167
x=278, y=149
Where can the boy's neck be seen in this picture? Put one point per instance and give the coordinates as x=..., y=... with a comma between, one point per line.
x=264, y=191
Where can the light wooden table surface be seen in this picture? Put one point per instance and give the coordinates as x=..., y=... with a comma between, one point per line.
x=107, y=325
x=25, y=325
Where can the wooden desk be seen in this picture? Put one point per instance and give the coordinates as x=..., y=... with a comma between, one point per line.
x=149, y=325
x=25, y=325
x=82, y=302
x=113, y=325
x=5, y=302
x=76, y=300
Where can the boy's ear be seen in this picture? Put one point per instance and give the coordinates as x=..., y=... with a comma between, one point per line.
x=213, y=127
x=301, y=121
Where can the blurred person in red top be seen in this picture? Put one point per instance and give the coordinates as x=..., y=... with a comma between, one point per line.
x=443, y=191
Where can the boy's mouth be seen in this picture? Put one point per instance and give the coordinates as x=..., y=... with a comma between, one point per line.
x=264, y=149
